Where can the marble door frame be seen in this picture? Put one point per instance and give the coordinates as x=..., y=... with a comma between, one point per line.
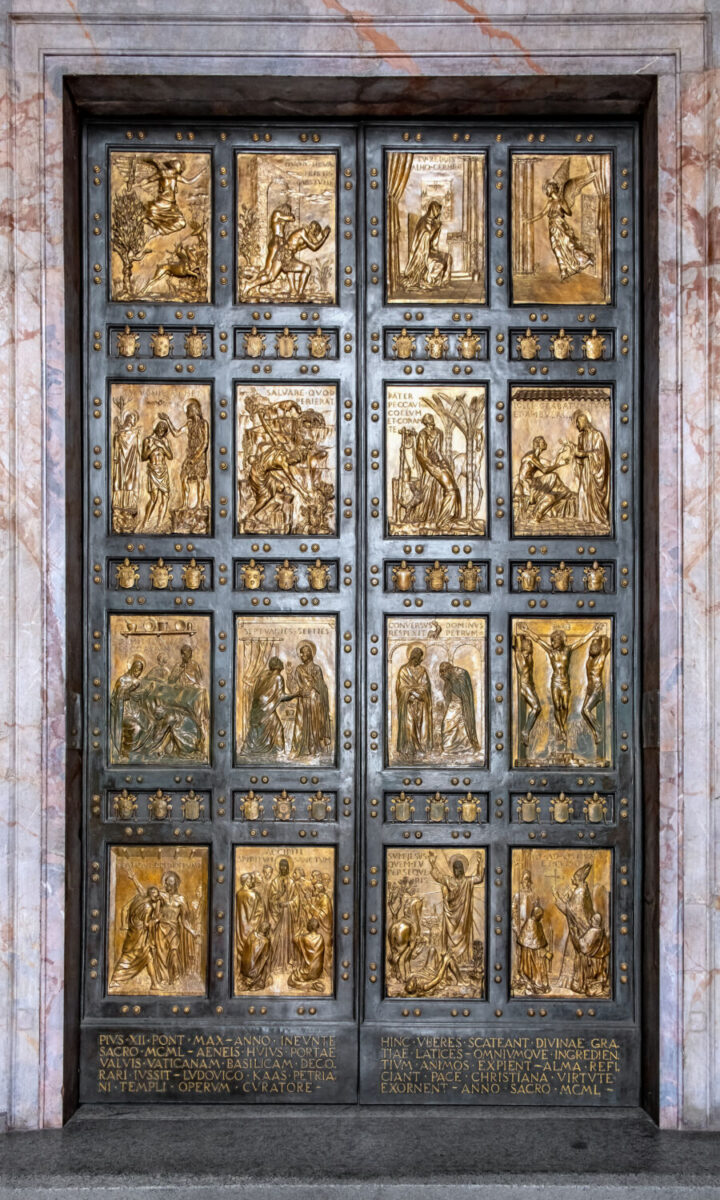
x=48, y=43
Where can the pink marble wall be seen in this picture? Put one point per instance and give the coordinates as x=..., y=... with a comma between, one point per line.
x=46, y=39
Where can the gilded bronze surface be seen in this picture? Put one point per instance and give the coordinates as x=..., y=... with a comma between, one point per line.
x=157, y=920
x=562, y=692
x=561, y=925
x=159, y=447
x=435, y=214
x=561, y=446
x=285, y=684
x=159, y=668
x=561, y=228
x=435, y=461
x=160, y=223
x=286, y=458
x=435, y=922
x=436, y=699
x=284, y=920
x=286, y=227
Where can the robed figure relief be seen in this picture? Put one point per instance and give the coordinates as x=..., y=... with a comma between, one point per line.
x=561, y=228
x=435, y=223
x=286, y=459
x=562, y=711
x=158, y=920
x=286, y=228
x=436, y=673
x=285, y=689
x=160, y=226
x=160, y=448
x=159, y=714
x=435, y=468
x=284, y=920
x=561, y=461
x=561, y=923
x=435, y=922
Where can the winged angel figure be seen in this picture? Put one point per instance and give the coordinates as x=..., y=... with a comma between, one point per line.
x=562, y=192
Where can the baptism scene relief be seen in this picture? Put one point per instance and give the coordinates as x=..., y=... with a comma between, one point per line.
x=561, y=923
x=436, y=691
x=159, y=668
x=435, y=461
x=435, y=223
x=285, y=685
x=435, y=923
x=286, y=459
x=160, y=226
x=286, y=228
x=284, y=920
x=160, y=448
x=561, y=461
x=158, y=915
x=562, y=692
x=561, y=228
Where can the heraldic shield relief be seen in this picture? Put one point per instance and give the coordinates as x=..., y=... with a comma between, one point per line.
x=562, y=692
x=160, y=226
x=560, y=915
x=284, y=920
x=285, y=683
x=157, y=936
x=286, y=228
x=435, y=922
x=561, y=227
x=436, y=690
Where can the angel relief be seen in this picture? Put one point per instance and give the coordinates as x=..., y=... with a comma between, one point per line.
x=160, y=226
x=561, y=229
x=286, y=227
x=436, y=461
x=286, y=459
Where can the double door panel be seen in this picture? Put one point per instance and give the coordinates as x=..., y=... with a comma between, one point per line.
x=360, y=745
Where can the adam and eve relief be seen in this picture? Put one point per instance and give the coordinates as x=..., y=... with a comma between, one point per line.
x=435, y=922
x=561, y=228
x=157, y=928
x=562, y=692
x=561, y=923
x=435, y=468
x=286, y=228
x=159, y=668
x=435, y=222
x=160, y=226
x=286, y=459
x=284, y=920
x=160, y=451
x=285, y=690
x=561, y=461
x=436, y=691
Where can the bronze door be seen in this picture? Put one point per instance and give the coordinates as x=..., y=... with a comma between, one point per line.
x=361, y=745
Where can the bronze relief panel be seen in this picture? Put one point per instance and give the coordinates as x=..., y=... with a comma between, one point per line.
x=285, y=689
x=435, y=470
x=286, y=448
x=435, y=919
x=284, y=920
x=562, y=692
x=561, y=228
x=158, y=920
x=561, y=447
x=435, y=222
x=160, y=447
x=436, y=702
x=160, y=208
x=287, y=228
x=561, y=923
x=159, y=675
